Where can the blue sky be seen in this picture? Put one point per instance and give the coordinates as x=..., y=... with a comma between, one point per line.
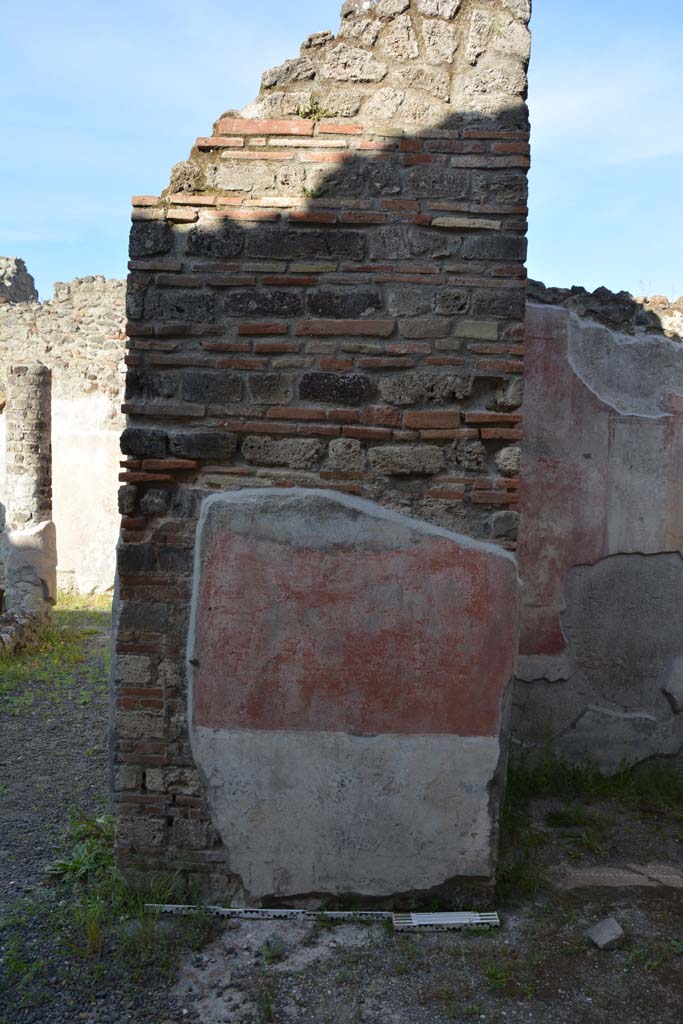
x=99, y=100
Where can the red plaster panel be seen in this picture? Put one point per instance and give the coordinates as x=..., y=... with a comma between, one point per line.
x=563, y=495
x=413, y=640
x=580, y=499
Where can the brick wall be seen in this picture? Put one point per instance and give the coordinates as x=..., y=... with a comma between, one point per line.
x=330, y=294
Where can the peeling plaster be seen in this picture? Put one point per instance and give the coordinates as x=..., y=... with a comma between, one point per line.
x=600, y=541
x=633, y=375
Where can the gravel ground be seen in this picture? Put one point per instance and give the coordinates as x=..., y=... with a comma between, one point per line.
x=539, y=967
x=53, y=759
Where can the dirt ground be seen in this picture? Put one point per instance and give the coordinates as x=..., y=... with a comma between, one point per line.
x=568, y=862
x=579, y=865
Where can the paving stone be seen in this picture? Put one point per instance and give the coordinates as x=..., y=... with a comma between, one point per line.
x=567, y=877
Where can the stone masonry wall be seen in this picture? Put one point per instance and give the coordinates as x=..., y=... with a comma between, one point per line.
x=16, y=284
x=329, y=295
x=79, y=335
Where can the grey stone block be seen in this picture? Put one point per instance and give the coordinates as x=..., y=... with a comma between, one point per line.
x=607, y=934
x=150, y=385
x=439, y=8
x=140, y=617
x=299, y=70
x=399, y=41
x=500, y=188
x=509, y=461
x=347, y=454
x=133, y=670
x=16, y=284
x=277, y=244
x=295, y=453
x=350, y=64
x=175, y=304
x=128, y=494
x=433, y=182
x=150, y=238
x=505, y=525
x=344, y=303
x=408, y=300
x=271, y=388
x=470, y=455
x=211, y=445
x=389, y=8
x=210, y=386
x=184, y=503
x=452, y=301
x=154, y=502
x=494, y=246
x=215, y=242
x=336, y=388
x=440, y=42
x=253, y=302
x=401, y=241
x=407, y=460
x=138, y=441
x=426, y=327
x=506, y=303
x=425, y=387
x=509, y=397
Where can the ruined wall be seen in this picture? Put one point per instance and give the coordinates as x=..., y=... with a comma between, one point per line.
x=27, y=544
x=330, y=297
x=16, y=284
x=600, y=550
x=79, y=335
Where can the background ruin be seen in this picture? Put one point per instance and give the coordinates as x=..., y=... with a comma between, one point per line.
x=79, y=335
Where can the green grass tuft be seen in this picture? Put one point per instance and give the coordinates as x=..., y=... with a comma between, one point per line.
x=653, y=787
x=657, y=783
x=57, y=664
x=107, y=918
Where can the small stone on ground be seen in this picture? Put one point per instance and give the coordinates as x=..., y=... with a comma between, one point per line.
x=607, y=934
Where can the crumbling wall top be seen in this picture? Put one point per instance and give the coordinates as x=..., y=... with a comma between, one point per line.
x=410, y=64
x=79, y=334
x=453, y=69
x=16, y=284
x=620, y=311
